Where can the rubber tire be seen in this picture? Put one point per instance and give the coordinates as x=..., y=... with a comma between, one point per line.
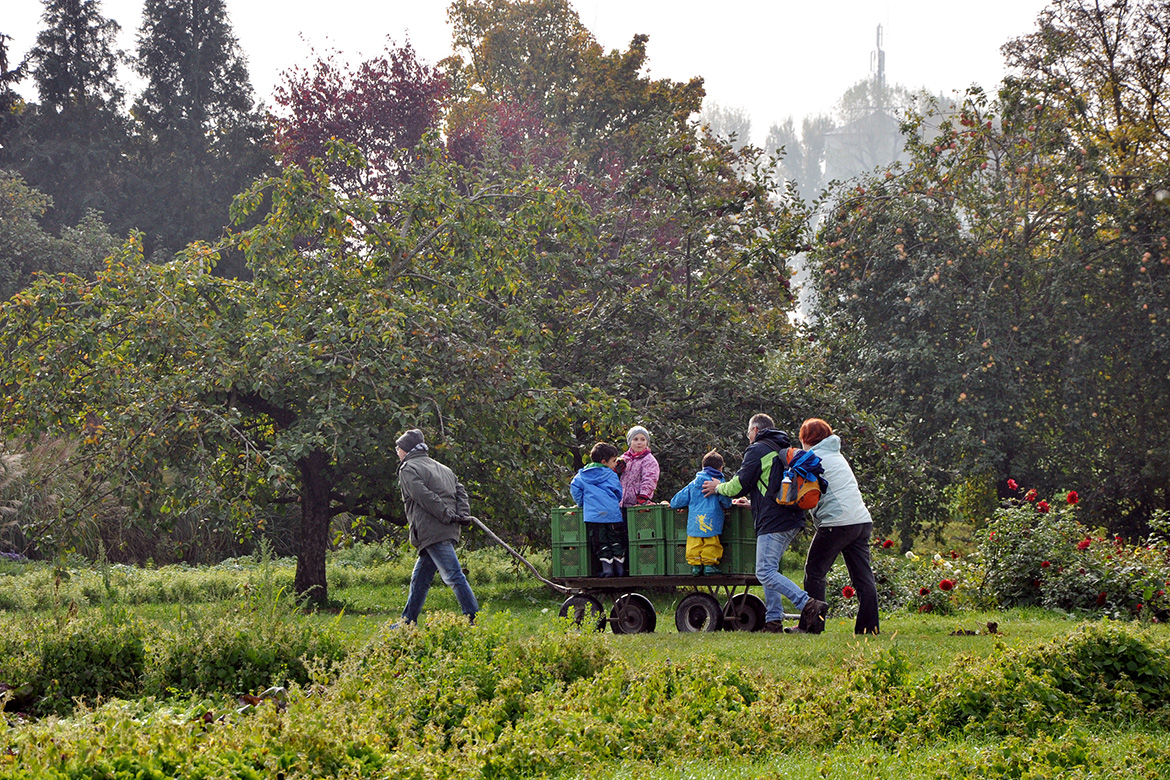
x=698, y=612
x=744, y=612
x=584, y=609
x=633, y=614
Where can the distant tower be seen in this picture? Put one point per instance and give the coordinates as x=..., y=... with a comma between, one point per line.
x=877, y=64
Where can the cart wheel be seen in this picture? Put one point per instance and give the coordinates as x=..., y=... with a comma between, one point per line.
x=744, y=612
x=698, y=612
x=633, y=614
x=585, y=610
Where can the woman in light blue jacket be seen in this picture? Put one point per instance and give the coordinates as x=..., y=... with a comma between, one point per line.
x=843, y=524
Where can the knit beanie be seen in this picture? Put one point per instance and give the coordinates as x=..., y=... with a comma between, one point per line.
x=409, y=440
x=630, y=434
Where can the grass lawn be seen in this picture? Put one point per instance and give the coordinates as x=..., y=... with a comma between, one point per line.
x=365, y=600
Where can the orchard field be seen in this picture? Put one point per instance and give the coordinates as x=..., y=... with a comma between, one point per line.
x=117, y=671
x=525, y=249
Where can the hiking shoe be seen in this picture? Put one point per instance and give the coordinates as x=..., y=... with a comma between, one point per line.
x=774, y=627
x=812, y=617
x=711, y=570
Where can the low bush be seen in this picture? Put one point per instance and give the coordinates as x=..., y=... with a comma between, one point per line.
x=450, y=700
x=1033, y=553
x=239, y=652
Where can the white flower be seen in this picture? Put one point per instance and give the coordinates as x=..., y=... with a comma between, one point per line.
x=911, y=556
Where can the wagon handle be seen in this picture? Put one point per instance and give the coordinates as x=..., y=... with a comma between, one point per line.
x=519, y=557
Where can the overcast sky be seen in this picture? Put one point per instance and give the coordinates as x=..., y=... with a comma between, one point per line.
x=773, y=58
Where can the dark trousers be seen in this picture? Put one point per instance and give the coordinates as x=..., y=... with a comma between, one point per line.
x=608, y=540
x=852, y=543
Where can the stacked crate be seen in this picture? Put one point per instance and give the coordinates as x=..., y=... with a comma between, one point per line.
x=647, y=528
x=739, y=541
x=676, y=541
x=570, y=546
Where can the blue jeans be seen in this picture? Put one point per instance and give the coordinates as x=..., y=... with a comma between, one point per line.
x=769, y=550
x=439, y=557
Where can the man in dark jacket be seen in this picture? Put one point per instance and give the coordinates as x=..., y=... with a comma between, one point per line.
x=436, y=509
x=776, y=525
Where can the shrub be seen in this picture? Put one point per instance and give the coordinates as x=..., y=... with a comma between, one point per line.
x=1050, y=559
x=88, y=658
x=1103, y=672
x=240, y=651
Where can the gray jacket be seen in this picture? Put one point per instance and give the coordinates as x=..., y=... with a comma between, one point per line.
x=842, y=503
x=434, y=499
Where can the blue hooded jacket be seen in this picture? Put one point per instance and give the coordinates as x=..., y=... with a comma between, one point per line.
x=598, y=491
x=704, y=513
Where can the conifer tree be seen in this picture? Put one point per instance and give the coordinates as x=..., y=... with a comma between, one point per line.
x=203, y=136
x=71, y=143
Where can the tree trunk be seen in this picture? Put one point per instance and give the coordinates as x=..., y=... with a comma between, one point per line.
x=314, y=535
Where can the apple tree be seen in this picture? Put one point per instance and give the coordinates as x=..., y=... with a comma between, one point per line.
x=363, y=317
x=1004, y=293
x=688, y=293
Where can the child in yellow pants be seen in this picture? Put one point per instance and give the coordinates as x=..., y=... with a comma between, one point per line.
x=704, y=517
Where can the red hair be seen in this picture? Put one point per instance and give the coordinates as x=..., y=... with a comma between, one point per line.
x=814, y=430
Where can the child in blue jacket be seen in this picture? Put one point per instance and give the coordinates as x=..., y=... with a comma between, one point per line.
x=598, y=491
x=704, y=517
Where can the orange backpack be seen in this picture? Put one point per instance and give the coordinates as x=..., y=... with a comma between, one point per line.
x=799, y=485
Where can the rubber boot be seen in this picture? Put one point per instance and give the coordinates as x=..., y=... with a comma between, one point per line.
x=606, y=567
x=711, y=569
x=619, y=567
x=696, y=570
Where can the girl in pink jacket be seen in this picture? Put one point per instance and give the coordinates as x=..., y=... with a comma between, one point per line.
x=640, y=475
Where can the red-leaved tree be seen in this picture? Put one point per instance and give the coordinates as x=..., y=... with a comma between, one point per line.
x=383, y=107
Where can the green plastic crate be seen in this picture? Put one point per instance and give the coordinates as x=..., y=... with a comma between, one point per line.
x=647, y=558
x=568, y=525
x=676, y=553
x=738, y=523
x=570, y=560
x=739, y=556
x=676, y=525
x=647, y=522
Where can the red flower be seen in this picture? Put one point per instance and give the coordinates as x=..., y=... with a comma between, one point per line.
x=1137, y=608
x=1160, y=593
x=926, y=608
x=888, y=543
x=1030, y=495
x=1101, y=599
x=1042, y=507
x=848, y=591
x=923, y=591
x=954, y=555
x=1035, y=583
x=1012, y=485
x=946, y=584
x=1044, y=564
x=1073, y=497
x=1080, y=571
x=1083, y=544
